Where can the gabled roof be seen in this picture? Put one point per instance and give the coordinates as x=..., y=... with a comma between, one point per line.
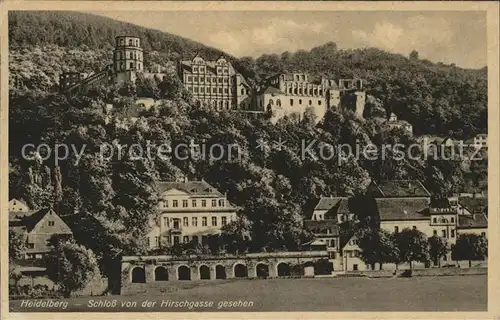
x=478, y=220
x=194, y=188
x=474, y=205
x=30, y=219
x=19, y=200
x=341, y=207
x=326, y=203
x=398, y=188
x=347, y=236
x=402, y=209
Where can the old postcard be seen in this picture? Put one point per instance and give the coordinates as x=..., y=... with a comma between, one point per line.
x=239, y=159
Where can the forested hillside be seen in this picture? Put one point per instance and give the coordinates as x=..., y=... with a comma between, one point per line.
x=274, y=189
x=44, y=44
x=436, y=99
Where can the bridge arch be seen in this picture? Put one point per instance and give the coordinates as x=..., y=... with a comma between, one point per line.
x=138, y=275
x=183, y=273
x=262, y=270
x=161, y=273
x=204, y=272
x=220, y=272
x=283, y=269
x=240, y=270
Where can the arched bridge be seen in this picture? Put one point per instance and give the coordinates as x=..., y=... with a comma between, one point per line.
x=144, y=269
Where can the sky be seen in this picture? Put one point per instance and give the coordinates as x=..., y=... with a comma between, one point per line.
x=446, y=36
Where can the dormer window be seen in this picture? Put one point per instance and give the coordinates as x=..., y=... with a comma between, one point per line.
x=221, y=203
x=51, y=223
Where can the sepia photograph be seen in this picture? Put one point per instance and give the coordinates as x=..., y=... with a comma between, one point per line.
x=244, y=160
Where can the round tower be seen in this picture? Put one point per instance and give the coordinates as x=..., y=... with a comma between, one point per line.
x=127, y=58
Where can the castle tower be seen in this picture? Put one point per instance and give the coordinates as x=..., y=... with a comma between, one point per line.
x=127, y=58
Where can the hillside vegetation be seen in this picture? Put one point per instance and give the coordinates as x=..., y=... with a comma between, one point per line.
x=437, y=99
x=274, y=189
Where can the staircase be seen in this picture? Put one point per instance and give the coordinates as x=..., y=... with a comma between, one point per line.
x=96, y=77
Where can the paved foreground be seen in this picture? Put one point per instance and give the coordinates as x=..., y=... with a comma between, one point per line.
x=451, y=293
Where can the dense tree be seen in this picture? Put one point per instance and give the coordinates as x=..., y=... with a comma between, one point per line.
x=470, y=247
x=438, y=248
x=378, y=246
x=115, y=200
x=412, y=245
x=71, y=266
x=17, y=245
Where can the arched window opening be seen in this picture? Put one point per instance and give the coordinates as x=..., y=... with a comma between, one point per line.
x=138, y=275
x=161, y=274
x=204, y=272
x=184, y=273
x=240, y=271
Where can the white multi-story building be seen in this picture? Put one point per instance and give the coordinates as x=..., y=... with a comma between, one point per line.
x=189, y=211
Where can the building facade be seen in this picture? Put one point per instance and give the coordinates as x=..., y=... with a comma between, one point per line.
x=126, y=66
x=287, y=93
x=393, y=122
x=128, y=58
x=325, y=224
x=189, y=212
x=215, y=84
x=38, y=226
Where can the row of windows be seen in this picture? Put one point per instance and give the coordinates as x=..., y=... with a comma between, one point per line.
x=194, y=203
x=202, y=69
x=194, y=222
x=300, y=102
x=122, y=66
x=177, y=239
x=131, y=42
x=444, y=234
x=452, y=220
x=196, y=79
x=129, y=55
x=220, y=104
x=305, y=91
x=207, y=90
x=278, y=102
